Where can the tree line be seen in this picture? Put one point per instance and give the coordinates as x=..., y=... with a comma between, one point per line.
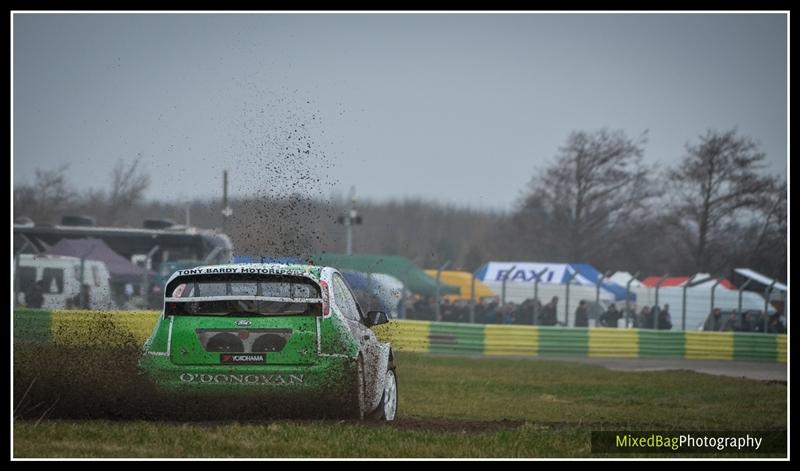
x=595, y=201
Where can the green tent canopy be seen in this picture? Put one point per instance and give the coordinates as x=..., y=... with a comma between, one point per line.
x=414, y=279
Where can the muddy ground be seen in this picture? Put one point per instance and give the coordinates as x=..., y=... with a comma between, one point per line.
x=99, y=383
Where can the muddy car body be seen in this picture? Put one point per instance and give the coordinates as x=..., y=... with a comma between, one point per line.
x=280, y=331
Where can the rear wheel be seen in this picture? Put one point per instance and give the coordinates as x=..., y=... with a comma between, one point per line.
x=387, y=409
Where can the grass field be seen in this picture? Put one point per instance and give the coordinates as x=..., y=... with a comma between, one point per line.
x=449, y=407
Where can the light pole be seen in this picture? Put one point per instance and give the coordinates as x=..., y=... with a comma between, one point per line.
x=350, y=218
x=226, y=210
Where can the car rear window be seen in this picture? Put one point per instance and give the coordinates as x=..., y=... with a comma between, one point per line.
x=295, y=288
x=221, y=295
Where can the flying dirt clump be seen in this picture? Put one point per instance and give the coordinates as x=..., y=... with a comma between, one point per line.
x=284, y=170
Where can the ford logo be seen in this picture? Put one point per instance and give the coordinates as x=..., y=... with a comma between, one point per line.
x=243, y=322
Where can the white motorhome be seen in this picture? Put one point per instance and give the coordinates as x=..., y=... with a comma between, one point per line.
x=61, y=279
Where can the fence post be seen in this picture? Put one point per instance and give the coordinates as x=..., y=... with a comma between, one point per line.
x=683, y=307
x=628, y=297
x=472, y=300
x=713, y=289
x=438, y=283
x=505, y=278
x=566, y=300
x=741, y=289
x=658, y=287
x=537, y=302
x=767, y=295
x=597, y=289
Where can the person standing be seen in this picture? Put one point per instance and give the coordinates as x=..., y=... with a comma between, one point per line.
x=611, y=317
x=655, y=316
x=714, y=321
x=537, y=311
x=747, y=322
x=581, y=315
x=731, y=323
x=491, y=312
x=550, y=312
x=664, y=319
x=645, y=318
x=34, y=296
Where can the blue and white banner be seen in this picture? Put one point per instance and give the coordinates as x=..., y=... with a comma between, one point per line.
x=548, y=273
x=527, y=272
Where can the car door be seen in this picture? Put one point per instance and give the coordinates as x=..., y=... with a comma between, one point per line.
x=368, y=342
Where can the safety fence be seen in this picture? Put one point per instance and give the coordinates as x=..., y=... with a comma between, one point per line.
x=512, y=340
x=114, y=328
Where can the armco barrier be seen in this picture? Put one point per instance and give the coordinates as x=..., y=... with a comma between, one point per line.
x=561, y=341
x=613, y=343
x=763, y=347
x=461, y=338
x=413, y=335
x=781, y=341
x=709, y=346
x=118, y=327
x=101, y=328
x=32, y=326
x=509, y=340
x=661, y=344
x=63, y=327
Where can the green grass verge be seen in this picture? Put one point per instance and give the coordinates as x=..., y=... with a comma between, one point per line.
x=559, y=393
x=450, y=407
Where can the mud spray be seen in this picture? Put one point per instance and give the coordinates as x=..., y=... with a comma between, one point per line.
x=282, y=174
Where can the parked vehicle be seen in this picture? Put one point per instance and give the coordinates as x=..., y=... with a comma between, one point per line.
x=57, y=279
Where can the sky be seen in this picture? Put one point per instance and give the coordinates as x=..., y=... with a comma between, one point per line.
x=460, y=109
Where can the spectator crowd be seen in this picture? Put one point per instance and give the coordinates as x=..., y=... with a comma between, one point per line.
x=532, y=312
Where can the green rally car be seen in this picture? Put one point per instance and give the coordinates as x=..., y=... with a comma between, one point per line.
x=281, y=331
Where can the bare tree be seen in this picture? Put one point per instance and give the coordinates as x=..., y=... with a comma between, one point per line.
x=594, y=203
x=128, y=184
x=717, y=178
x=758, y=240
x=773, y=224
x=594, y=188
x=47, y=198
